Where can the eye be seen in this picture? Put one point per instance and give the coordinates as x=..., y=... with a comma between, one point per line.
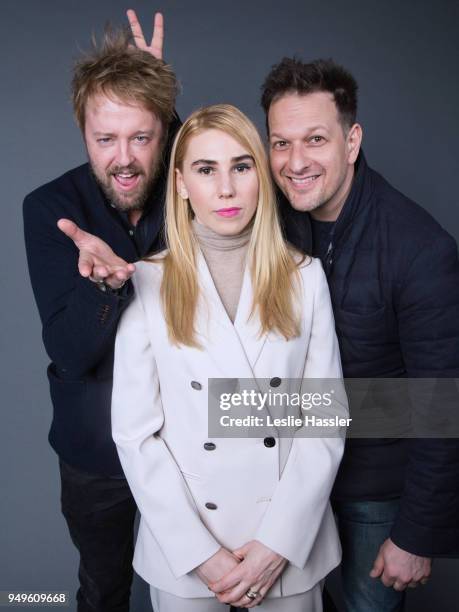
x=141, y=139
x=104, y=140
x=207, y=170
x=242, y=168
x=317, y=140
x=279, y=144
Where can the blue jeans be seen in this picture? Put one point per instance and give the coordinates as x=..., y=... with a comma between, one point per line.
x=363, y=526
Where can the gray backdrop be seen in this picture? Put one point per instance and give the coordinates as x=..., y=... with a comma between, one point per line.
x=404, y=55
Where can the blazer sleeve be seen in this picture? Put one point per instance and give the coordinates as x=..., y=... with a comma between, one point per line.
x=295, y=513
x=161, y=493
x=79, y=321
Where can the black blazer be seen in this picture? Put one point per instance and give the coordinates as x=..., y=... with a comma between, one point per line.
x=79, y=320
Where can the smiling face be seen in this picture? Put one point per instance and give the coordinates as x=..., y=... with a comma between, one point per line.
x=124, y=145
x=312, y=157
x=219, y=177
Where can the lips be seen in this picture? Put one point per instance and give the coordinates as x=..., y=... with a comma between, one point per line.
x=126, y=180
x=228, y=212
x=303, y=182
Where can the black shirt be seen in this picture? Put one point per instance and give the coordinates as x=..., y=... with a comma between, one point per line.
x=321, y=237
x=148, y=225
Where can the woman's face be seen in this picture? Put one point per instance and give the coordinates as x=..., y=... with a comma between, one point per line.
x=220, y=180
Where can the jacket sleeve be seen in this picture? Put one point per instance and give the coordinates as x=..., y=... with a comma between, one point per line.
x=79, y=320
x=154, y=477
x=294, y=516
x=428, y=317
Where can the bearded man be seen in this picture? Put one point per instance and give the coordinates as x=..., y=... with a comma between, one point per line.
x=124, y=102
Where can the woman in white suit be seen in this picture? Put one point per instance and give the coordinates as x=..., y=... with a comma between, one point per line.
x=224, y=520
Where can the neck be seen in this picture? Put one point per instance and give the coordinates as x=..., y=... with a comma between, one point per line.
x=331, y=210
x=134, y=216
x=209, y=238
x=226, y=259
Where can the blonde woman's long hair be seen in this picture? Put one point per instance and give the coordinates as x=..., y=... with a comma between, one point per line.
x=273, y=268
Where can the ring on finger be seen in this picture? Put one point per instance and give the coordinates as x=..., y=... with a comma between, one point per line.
x=252, y=594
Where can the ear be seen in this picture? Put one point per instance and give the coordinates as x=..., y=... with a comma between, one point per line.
x=354, y=141
x=181, y=189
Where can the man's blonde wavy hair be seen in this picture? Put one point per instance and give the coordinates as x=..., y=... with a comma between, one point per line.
x=120, y=71
x=273, y=266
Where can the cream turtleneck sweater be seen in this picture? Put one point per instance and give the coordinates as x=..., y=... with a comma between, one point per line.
x=226, y=258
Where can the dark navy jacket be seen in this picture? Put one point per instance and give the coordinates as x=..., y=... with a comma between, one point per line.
x=393, y=274
x=79, y=320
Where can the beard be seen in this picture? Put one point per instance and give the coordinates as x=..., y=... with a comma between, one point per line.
x=134, y=199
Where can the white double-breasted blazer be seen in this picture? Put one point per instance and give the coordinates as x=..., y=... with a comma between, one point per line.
x=194, y=493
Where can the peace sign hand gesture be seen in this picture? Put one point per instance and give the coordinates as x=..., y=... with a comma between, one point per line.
x=155, y=47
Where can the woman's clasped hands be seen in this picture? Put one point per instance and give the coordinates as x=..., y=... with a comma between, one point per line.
x=242, y=578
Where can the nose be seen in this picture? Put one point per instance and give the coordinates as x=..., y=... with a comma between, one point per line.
x=124, y=155
x=226, y=187
x=298, y=160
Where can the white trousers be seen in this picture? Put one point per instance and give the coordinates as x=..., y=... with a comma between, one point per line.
x=310, y=601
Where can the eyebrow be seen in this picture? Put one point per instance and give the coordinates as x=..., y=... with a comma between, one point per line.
x=309, y=130
x=138, y=133
x=211, y=162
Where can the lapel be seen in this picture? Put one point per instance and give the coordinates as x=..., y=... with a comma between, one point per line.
x=234, y=347
x=248, y=330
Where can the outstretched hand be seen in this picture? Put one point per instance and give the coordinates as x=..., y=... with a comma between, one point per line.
x=97, y=261
x=155, y=47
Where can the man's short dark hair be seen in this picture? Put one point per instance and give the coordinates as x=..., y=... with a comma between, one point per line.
x=292, y=75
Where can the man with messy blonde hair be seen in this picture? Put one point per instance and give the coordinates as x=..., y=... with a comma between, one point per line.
x=124, y=101
x=123, y=72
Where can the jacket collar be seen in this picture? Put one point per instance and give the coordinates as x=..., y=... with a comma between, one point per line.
x=362, y=187
x=350, y=217
x=296, y=225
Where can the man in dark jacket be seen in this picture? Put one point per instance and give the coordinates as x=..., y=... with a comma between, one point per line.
x=124, y=103
x=393, y=274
